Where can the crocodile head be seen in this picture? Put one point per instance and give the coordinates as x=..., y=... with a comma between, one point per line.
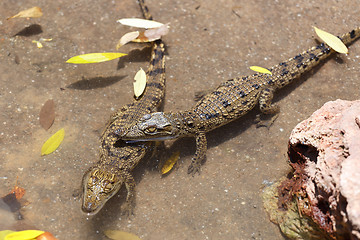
x=98, y=187
x=152, y=127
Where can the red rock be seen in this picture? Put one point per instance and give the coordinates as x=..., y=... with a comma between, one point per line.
x=327, y=149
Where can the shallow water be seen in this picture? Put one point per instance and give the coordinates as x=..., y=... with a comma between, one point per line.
x=209, y=42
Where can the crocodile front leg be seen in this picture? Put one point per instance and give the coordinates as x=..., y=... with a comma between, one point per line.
x=200, y=153
x=267, y=107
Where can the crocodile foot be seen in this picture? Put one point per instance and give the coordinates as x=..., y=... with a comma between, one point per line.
x=127, y=209
x=194, y=168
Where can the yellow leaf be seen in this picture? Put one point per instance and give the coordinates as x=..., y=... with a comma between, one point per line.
x=260, y=70
x=169, y=164
x=4, y=233
x=31, y=12
x=38, y=44
x=139, y=23
x=128, y=37
x=120, y=235
x=46, y=39
x=94, y=57
x=140, y=83
x=331, y=40
x=53, y=142
x=24, y=235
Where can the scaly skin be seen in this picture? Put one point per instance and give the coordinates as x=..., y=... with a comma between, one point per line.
x=118, y=159
x=231, y=100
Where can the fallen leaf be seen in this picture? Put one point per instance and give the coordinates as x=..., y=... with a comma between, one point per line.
x=139, y=23
x=120, y=235
x=141, y=38
x=94, y=57
x=53, y=142
x=34, y=12
x=169, y=164
x=331, y=40
x=24, y=235
x=46, y=39
x=152, y=34
x=47, y=114
x=4, y=233
x=260, y=70
x=156, y=33
x=38, y=44
x=128, y=37
x=18, y=191
x=46, y=236
x=140, y=83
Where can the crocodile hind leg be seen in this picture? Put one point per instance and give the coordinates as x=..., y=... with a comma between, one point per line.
x=128, y=207
x=267, y=107
x=200, y=153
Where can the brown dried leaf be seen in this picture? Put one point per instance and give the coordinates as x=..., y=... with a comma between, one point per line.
x=18, y=191
x=47, y=114
x=34, y=12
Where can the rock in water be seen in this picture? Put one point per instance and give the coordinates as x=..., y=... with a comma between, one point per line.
x=324, y=152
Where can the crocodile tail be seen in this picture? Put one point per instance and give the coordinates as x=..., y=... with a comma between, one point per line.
x=286, y=72
x=155, y=83
x=155, y=86
x=145, y=10
x=351, y=36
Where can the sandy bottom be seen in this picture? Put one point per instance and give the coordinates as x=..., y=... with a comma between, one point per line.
x=209, y=42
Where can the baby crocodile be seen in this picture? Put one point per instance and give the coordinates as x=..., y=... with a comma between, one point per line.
x=117, y=159
x=231, y=100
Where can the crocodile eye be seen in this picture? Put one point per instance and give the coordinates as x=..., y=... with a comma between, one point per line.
x=167, y=128
x=151, y=129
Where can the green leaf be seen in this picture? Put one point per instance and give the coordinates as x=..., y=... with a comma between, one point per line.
x=331, y=40
x=53, y=142
x=94, y=57
x=24, y=235
x=260, y=69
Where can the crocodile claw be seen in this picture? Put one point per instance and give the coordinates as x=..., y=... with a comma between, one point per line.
x=194, y=168
x=127, y=209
